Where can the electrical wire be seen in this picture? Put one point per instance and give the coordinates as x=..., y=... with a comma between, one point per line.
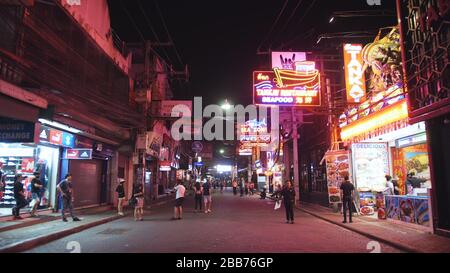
x=168, y=33
x=287, y=22
x=149, y=24
x=273, y=25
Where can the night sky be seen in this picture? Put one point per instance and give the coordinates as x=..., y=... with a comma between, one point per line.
x=219, y=39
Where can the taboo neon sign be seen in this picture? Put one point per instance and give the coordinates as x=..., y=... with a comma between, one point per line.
x=299, y=87
x=354, y=74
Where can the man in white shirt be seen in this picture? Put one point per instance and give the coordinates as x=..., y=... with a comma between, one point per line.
x=179, y=198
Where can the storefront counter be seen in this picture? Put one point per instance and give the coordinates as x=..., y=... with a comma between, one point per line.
x=409, y=209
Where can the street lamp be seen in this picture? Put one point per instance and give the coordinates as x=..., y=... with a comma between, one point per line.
x=226, y=105
x=221, y=151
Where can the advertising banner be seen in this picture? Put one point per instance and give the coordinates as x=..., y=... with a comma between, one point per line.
x=370, y=165
x=337, y=163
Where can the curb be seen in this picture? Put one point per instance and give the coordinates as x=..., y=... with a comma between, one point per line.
x=49, y=218
x=32, y=243
x=366, y=234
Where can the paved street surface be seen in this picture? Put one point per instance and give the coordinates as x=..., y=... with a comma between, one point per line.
x=236, y=225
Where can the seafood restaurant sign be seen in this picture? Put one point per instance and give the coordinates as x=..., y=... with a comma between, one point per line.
x=298, y=86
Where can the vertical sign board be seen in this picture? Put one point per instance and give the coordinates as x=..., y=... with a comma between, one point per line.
x=337, y=163
x=354, y=76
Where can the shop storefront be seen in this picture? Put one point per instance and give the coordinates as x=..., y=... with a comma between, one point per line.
x=23, y=149
x=398, y=150
x=380, y=139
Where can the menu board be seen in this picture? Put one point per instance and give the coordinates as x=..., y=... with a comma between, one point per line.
x=337, y=168
x=370, y=165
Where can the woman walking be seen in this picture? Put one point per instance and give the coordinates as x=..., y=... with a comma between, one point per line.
x=198, y=190
x=138, y=193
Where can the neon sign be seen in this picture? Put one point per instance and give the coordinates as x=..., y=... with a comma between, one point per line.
x=299, y=87
x=391, y=114
x=354, y=75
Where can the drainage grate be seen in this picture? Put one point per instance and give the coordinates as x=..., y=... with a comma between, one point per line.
x=113, y=231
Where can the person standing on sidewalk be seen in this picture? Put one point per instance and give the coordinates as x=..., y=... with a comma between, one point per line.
x=36, y=189
x=121, y=195
x=288, y=194
x=19, y=196
x=347, y=189
x=138, y=193
x=179, y=198
x=198, y=195
x=65, y=188
x=207, y=196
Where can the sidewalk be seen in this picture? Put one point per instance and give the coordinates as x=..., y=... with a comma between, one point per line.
x=402, y=237
x=18, y=236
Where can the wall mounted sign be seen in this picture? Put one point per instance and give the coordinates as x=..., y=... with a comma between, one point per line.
x=16, y=131
x=78, y=154
x=355, y=80
x=56, y=137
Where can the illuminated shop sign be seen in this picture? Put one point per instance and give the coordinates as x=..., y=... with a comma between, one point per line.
x=354, y=75
x=56, y=137
x=411, y=140
x=78, y=154
x=299, y=87
x=375, y=121
x=254, y=133
x=286, y=60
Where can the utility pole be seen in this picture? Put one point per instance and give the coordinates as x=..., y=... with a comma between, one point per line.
x=295, y=157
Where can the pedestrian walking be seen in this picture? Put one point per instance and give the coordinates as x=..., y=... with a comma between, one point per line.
x=234, y=187
x=288, y=194
x=121, y=196
x=66, y=190
x=347, y=190
x=179, y=198
x=251, y=188
x=198, y=195
x=19, y=196
x=221, y=186
x=207, y=196
x=138, y=193
x=36, y=189
x=246, y=188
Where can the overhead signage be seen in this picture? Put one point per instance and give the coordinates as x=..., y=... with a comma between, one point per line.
x=286, y=60
x=197, y=146
x=254, y=133
x=154, y=142
x=354, y=75
x=56, y=137
x=299, y=87
x=16, y=131
x=411, y=140
x=78, y=153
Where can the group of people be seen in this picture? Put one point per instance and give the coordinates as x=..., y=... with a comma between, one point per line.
x=64, y=188
x=247, y=188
